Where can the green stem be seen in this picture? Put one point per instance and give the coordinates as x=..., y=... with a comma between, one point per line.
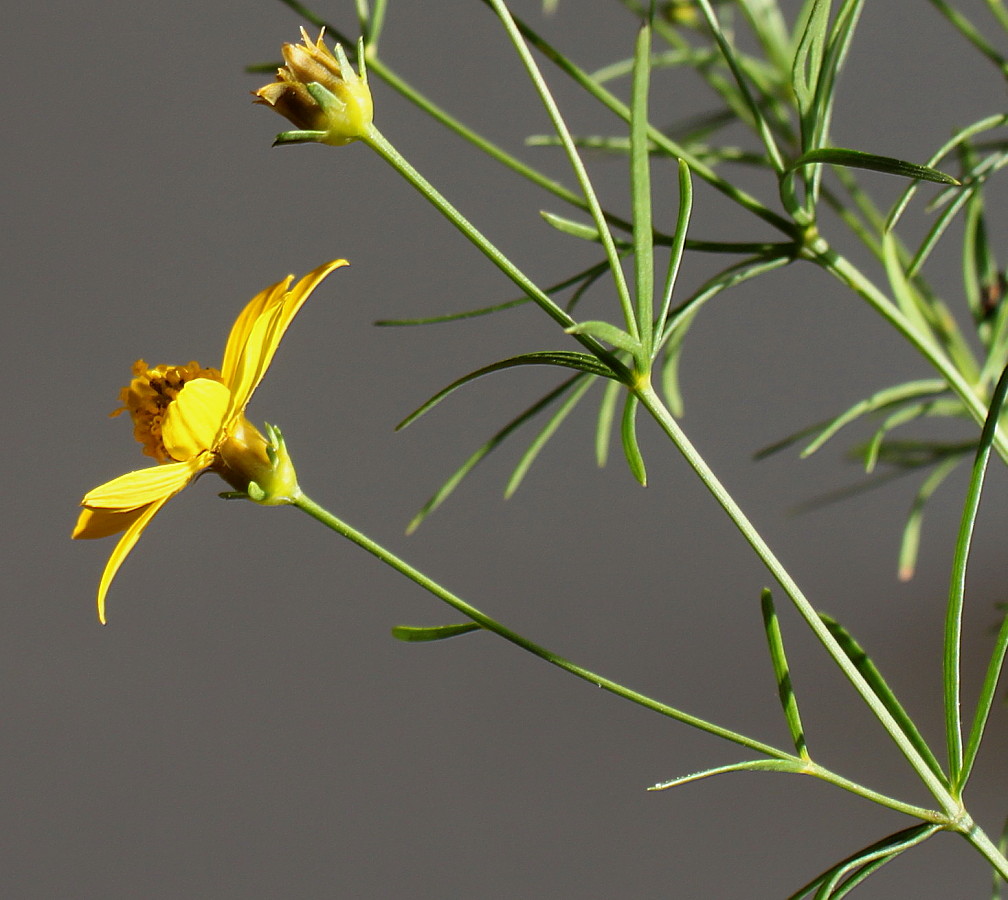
x=651, y=401
x=377, y=142
x=305, y=504
x=807, y=766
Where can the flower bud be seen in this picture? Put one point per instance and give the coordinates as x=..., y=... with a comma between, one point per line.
x=319, y=92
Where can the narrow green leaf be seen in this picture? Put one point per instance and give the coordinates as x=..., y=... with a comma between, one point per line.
x=877, y=401
x=565, y=359
x=856, y=159
x=640, y=191
x=785, y=690
x=442, y=493
x=808, y=57
x=866, y=861
x=733, y=58
x=453, y=317
x=957, y=585
x=757, y=765
x=856, y=654
x=548, y=430
x=611, y=334
x=606, y=417
x=417, y=633
x=679, y=243
x=907, y=298
x=910, y=544
x=584, y=277
x=568, y=226
x=960, y=137
x=628, y=432
x=985, y=702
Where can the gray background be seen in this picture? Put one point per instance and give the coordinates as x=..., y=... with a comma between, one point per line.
x=245, y=726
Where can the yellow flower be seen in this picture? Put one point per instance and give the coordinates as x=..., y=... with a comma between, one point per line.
x=192, y=419
x=320, y=93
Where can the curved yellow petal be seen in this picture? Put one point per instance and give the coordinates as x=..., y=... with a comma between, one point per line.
x=243, y=325
x=136, y=489
x=122, y=549
x=194, y=418
x=99, y=523
x=263, y=336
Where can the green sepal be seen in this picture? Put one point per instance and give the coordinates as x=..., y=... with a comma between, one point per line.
x=323, y=96
x=419, y=633
x=299, y=137
x=856, y=159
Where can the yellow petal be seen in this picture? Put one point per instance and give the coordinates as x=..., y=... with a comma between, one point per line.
x=194, y=418
x=122, y=549
x=99, y=523
x=243, y=325
x=262, y=337
x=136, y=489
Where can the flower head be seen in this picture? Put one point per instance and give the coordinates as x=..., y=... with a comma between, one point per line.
x=319, y=92
x=192, y=419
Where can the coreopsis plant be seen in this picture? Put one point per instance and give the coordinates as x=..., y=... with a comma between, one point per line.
x=781, y=96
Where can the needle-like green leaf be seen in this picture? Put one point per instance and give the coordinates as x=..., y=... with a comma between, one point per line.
x=838, y=881
x=856, y=654
x=628, y=432
x=418, y=633
x=562, y=358
x=782, y=674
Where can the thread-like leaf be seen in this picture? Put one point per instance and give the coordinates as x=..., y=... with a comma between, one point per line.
x=858, y=866
x=856, y=654
x=757, y=765
x=441, y=494
x=640, y=191
x=785, y=690
x=628, y=432
x=877, y=401
x=611, y=334
x=548, y=430
x=418, y=633
x=565, y=359
x=856, y=159
x=910, y=544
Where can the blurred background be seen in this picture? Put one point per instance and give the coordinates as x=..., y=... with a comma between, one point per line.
x=245, y=726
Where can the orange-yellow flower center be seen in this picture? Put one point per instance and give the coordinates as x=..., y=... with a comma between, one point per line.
x=147, y=397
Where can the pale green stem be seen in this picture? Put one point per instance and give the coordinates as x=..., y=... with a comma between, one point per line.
x=560, y=126
x=309, y=506
x=652, y=402
x=808, y=767
x=958, y=818
x=377, y=142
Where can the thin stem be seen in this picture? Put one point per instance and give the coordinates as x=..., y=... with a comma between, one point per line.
x=377, y=142
x=305, y=504
x=560, y=126
x=650, y=400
